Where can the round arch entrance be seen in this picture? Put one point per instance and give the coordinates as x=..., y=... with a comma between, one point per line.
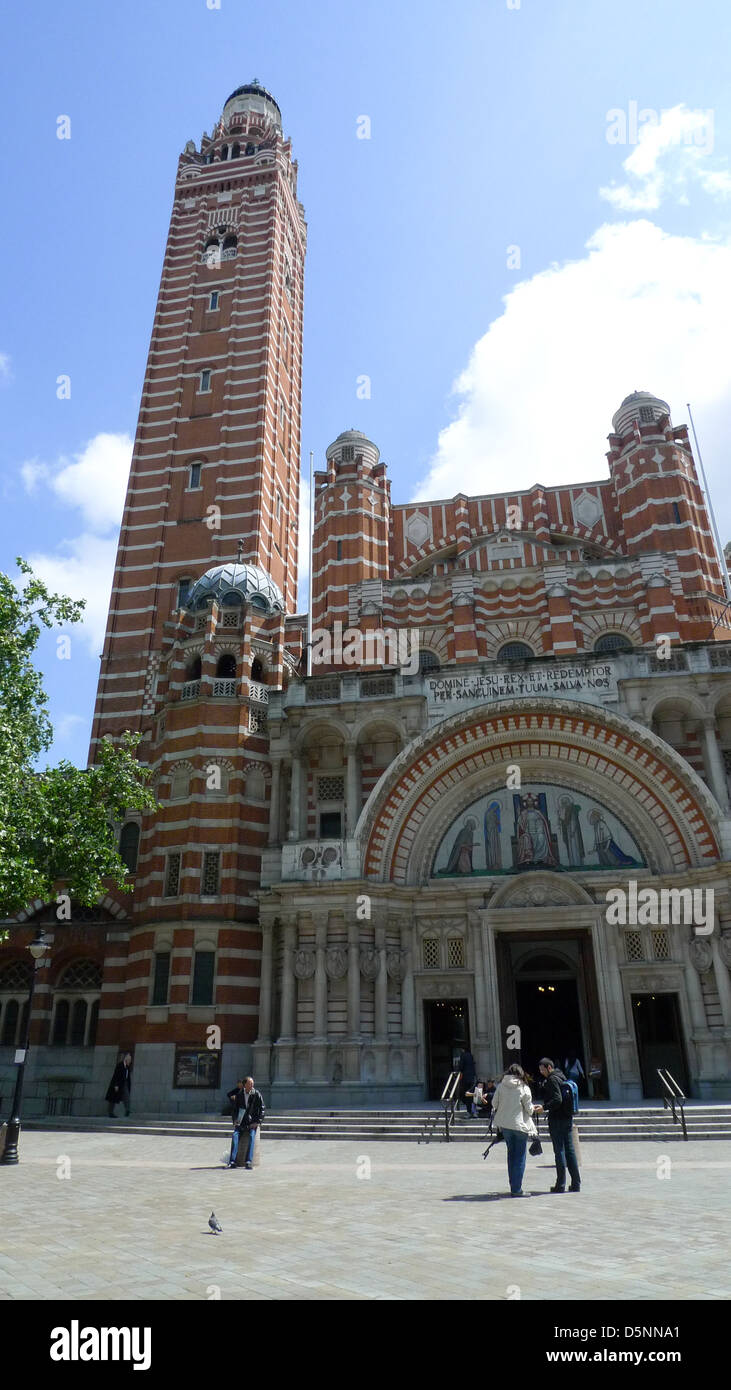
x=549, y=1006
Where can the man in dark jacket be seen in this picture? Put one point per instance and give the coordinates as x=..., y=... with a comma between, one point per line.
x=469, y=1077
x=560, y=1125
x=253, y=1108
x=120, y=1085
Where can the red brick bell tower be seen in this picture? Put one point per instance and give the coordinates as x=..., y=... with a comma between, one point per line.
x=216, y=455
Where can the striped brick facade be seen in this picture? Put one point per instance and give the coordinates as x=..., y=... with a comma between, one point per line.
x=286, y=893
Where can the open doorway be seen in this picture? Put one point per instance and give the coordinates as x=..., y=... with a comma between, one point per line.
x=447, y=1033
x=659, y=1040
x=550, y=1022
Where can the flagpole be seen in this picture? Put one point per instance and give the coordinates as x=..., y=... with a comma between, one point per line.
x=719, y=547
x=311, y=525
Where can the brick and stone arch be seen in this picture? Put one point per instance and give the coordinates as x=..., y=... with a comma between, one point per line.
x=526, y=630
x=662, y=801
x=592, y=626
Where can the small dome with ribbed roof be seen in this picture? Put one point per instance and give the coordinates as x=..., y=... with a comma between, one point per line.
x=236, y=583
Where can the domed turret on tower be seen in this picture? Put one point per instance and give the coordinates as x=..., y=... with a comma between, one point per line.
x=350, y=445
x=236, y=583
x=642, y=408
x=255, y=98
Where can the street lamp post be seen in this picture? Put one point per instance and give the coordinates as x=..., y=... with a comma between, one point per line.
x=37, y=948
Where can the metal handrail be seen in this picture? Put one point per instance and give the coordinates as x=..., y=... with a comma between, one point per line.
x=448, y=1099
x=672, y=1096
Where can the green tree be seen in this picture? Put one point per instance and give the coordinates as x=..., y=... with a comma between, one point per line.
x=56, y=824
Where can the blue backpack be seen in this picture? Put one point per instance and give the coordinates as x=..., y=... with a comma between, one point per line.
x=570, y=1097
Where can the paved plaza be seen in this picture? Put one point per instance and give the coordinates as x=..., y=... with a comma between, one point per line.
x=348, y=1221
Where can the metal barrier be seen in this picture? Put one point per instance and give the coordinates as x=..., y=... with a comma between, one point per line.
x=672, y=1096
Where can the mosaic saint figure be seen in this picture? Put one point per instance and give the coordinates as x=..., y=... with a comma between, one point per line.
x=568, y=819
x=493, y=851
x=607, y=849
x=534, y=833
x=460, y=860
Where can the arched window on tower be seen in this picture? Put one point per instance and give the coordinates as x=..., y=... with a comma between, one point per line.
x=224, y=152
x=428, y=662
x=229, y=248
x=129, y=843
x=250, y=149
x=235, y=150
x=193, y=669
x=515, y=651
x=226, y=666
x=612, y=642
x=257, y=670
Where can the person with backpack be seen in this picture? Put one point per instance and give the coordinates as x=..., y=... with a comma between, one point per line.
x=558, y=1104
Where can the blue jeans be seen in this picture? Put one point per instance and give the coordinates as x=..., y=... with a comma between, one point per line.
x=564, y=1151
x=249, y=1140
x=516, y=1145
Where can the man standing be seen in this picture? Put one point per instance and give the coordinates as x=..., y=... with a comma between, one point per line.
x=558, y=1106
x=253, y=1113
x=120, y=1085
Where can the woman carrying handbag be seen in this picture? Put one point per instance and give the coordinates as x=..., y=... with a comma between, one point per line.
x=512, y=1112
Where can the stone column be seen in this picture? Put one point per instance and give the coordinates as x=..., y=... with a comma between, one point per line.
x=481, y=1009
x=283, y=1048
x=408, y=1000
x=353, y=982
x=274, y=801
x=695, y=993
x=351, y=790
x=380, y=1045
x=381, y=990
x=495, y=1038
x=289, y=995
x=265, y=986
x=262, y=1049
x=722, y=982
x=295, y=798
x=713, y=760
x=320, y=1020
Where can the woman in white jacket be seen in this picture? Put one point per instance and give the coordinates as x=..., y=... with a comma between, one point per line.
x=512, y=1111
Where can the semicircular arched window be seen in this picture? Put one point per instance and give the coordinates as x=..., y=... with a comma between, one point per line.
x=612, y=642
x=515, y=651
x=226, y=666
x=428, y=661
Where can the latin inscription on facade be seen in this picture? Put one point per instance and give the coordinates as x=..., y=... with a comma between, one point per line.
x=594, y=683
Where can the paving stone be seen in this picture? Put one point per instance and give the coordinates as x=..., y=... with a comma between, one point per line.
x=431, y=1223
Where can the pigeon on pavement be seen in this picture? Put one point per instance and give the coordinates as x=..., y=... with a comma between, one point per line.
x=213, y=1223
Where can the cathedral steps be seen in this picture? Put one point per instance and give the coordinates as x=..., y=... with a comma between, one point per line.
x=608, y=1125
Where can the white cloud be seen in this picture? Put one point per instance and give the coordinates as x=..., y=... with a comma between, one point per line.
x=96, y=480
x=32, y=473
x=643, y=310
x=82, y=568
x=672, y=152
x=5, y=372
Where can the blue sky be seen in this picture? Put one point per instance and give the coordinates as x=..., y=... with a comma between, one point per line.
x=490, y=129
